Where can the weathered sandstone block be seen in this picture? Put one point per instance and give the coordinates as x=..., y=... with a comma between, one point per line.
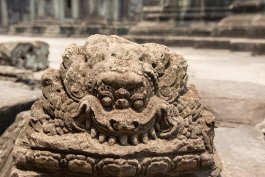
x=117, y=108
x=26, y=55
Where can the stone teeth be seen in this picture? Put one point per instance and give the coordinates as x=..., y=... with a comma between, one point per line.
x=88, y=124
x=112, y=140
x=123, y=139
x=157, y=127
x=134, y=139
x=152, y=133
x=144, y=138
x=93, y=133
x=101, y=138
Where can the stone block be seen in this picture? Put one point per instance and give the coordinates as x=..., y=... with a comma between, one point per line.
x=15, y=97
x=27, y=55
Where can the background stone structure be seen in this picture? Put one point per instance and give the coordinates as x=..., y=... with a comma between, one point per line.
x=14, y=11
x=229, y=18
x=63, y=16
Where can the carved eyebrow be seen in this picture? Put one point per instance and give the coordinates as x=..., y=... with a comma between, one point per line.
x=138, y=96
x=126, y=80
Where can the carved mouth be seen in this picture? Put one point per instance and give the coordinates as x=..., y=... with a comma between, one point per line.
x=145, y=127
x=121, y=139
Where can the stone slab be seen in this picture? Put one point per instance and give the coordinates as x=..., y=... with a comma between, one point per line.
x=15, y=97
x=28, y=77
x=241, y=150
x=232, y=103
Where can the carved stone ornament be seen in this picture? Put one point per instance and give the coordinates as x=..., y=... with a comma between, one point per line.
x=117, y=108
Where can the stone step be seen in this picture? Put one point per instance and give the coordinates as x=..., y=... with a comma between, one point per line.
x=255, y=46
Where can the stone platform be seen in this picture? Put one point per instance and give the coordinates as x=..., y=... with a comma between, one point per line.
x=68, y=28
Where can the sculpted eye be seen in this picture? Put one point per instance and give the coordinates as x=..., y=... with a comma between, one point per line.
x=138, y=104
x=106, y=101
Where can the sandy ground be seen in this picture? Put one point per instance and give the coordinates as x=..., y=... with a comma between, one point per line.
x=203, y=63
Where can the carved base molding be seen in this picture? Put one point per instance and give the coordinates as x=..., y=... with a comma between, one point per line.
x=45, y=163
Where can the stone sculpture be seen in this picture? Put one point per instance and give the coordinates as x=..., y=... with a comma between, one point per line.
x=25, y=55
x=117, y=108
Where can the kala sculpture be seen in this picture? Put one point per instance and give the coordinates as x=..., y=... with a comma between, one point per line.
x=117, y=108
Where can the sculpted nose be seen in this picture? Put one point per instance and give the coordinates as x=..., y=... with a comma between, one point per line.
x=123, y=126
x=121, y=104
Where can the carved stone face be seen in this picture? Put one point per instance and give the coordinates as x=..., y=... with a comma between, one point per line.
x=122, y=105
x=122, y=92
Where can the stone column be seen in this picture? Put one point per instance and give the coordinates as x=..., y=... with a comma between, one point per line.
x=116, y=10
x=32, y=10
x=97, y=6
x=108, y=10
x=140, y=9
x=41, y=11
x=91, y=7
x=75, y=8
x=58, y=9
x=4, y=13
x=202, y=10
